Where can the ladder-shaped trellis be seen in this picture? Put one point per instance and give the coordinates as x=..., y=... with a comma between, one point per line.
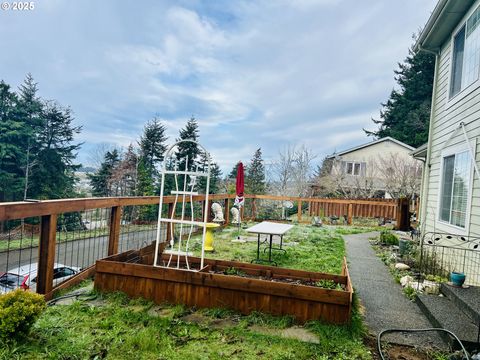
x=184, y=189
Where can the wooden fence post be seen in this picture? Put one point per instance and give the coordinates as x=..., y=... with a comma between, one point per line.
x=169, y=226
x=254, y=209
x=114, y=233
x=299, y=211
x=209, y=209
x=46, y=253
x=203, y=210
x=403, y=214
x=350, y=214
x=227, y=211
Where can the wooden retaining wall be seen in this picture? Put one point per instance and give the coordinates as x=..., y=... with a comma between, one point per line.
x=204, y=289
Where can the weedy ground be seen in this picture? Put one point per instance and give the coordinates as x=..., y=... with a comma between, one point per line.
x=116, y=327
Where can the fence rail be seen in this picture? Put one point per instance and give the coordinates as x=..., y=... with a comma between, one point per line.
x=77, y=232
x=441, y=253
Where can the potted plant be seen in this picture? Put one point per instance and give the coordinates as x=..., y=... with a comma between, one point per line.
x=457, y=278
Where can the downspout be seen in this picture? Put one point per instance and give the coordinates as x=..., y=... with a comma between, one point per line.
x=426, y=174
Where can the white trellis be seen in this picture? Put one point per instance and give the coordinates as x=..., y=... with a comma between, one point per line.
x=186, y=191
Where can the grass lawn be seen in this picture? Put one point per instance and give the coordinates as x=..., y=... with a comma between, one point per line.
x=319, y=249
x=129, y=329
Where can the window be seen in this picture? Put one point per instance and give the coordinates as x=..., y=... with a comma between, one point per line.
x=455, y=188
x=62, y=272
x=353, y=168
x=466, y=54
x=10, y=280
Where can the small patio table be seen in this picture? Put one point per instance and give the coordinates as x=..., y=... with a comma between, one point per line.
x=270, y=229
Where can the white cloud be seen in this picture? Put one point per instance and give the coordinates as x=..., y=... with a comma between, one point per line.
x=255, y=74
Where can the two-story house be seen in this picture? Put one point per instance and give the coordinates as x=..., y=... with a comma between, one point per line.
x=450, y=197
x=372, y=169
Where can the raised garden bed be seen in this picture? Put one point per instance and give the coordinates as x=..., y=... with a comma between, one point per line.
x=247, y=288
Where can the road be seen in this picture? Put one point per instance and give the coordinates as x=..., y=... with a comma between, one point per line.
x=81, y=253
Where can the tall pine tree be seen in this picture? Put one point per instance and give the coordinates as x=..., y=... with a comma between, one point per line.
x=255, y=175
x=215, y=175
x=152, y=143
x=37, y=145
x=13, y=135
x=406, y=114
x=152, y=149
x=53, y=173
x=101, y=180
x=188, y=149
x=31, y=108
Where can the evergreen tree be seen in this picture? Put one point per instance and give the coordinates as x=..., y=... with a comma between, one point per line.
x=37, y=149
x=152, y=143
x=152, y=149
x=30, y=107
x=101, y=180
x=406, y=114
x=12, y=154
x=215, y=179
x=188, y=149
x=233, y=172
x=215, y=175
x=53, y=173
x=145, y=183
x=255, y=174
x=325, y=168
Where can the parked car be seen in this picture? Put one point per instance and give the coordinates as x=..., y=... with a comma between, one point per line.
x=11, y=281
x=25, y=276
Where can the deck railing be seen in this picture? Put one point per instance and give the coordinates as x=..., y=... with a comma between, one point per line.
x=77, y=232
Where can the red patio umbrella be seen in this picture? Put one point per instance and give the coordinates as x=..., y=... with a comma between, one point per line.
x=240, y=186
x=239, y=189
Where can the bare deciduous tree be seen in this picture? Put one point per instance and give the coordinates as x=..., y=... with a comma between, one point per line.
x=283, y=169
x=400, y=175
x=303, y=166
x=97, y=154
x=292, y=171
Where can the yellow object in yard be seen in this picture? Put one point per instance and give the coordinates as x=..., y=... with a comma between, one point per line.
x=209, y=236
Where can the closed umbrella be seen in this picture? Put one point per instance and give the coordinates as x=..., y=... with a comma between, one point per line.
x=239, y=189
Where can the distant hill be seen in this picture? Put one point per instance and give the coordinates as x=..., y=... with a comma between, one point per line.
x=87, y=169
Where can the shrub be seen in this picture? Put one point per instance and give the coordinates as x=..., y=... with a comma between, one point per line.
x=387, y=238
x=410, y=292
x=18, y=312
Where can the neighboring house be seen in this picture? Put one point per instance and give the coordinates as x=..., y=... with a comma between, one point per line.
x=364, y=170
x=450, y=200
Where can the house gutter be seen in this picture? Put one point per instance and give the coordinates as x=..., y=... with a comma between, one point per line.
x=426, y=175
x=437, y=12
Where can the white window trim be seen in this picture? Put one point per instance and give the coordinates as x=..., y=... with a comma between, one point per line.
x=353, y=167
x=444, y=225
x=452, y=100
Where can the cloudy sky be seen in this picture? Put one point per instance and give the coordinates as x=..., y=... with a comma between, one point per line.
x=254, y=73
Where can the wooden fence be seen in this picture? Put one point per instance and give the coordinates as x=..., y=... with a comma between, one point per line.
x=49, y=210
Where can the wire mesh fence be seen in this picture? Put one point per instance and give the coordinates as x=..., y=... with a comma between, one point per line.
x=18, y=252
x=443, y=253
x=82, y=238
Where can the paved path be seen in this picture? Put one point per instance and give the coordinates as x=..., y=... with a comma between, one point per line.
x=386, y=306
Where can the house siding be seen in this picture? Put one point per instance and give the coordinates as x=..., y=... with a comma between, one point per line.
x=369, y=155
x=446, y=117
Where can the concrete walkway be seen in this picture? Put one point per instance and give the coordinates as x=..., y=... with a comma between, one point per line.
x=385, y=305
